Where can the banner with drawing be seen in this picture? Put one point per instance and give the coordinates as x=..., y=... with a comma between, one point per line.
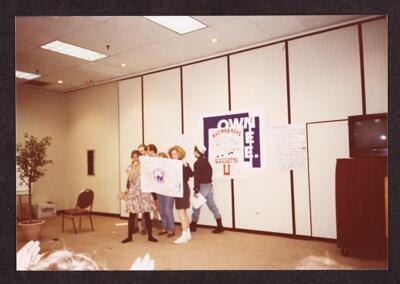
x=226, y=152
x=162, y=176
x=249, y=122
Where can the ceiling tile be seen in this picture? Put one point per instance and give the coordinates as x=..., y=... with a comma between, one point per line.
x=41, y=30
x=213, y=20
x=94, y=71
x=59, y=87
x=45, y=61
x=100, y=71
x=243, y=31
x=21, y=46
x=121, y=34
x=79, y=76
x=77, y=23
x=312, y=22
x=197, y=44
x=277, y=26
x=137, y=60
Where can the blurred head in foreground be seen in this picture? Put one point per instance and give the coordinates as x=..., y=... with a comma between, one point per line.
x=64, y=260
x=319, y=263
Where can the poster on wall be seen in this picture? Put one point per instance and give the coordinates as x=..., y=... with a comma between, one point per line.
x=225, y=152
x=289, y=147
x=250, y=123
x=162, y=176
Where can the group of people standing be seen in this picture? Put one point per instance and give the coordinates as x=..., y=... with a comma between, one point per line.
x=142, y=203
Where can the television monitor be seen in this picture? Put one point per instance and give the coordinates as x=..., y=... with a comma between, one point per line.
x=368, y=135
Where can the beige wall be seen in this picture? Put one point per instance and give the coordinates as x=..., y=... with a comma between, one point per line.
x=77, y=122
x=42, y=113
x=93, y=125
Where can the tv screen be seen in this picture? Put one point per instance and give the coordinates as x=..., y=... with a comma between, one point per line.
x=368, y=135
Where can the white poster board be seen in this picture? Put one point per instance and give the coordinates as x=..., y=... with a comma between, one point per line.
x=163, y=176
x=289, y=147
x=225, y=152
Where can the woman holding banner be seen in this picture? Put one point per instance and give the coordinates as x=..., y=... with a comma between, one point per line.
x=151, y=151
x=183, y=203
x=166, y=211
x=138, y=202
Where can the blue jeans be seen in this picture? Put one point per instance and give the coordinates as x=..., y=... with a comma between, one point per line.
x=166, y=212
x=206, y=189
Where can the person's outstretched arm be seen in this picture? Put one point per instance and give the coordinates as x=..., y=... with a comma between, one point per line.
x=27, y=254
x=145, y=264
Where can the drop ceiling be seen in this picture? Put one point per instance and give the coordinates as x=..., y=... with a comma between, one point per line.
x=140, y=43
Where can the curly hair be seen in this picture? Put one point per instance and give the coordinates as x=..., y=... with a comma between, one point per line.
x=179, y=150
x=163, y=155
x=64, y=260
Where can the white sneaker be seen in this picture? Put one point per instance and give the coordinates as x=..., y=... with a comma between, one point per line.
x=182, y=239
x=189, y=236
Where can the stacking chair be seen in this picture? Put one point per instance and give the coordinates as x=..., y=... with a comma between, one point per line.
x=85, y=200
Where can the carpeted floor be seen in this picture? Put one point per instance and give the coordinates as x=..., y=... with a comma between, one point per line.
x=206, y=251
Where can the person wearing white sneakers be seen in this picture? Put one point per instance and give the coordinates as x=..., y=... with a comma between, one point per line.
x=183, y=203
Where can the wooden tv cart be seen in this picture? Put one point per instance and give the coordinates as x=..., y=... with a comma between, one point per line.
x=360, y=206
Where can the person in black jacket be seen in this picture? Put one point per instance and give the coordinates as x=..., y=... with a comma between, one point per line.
x=203, y=185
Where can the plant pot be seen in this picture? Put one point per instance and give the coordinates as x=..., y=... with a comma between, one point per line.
x=31, y=230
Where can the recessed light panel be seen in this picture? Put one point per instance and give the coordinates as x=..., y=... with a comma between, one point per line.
x=26, y=75
x=179, y=24
x=73, y=50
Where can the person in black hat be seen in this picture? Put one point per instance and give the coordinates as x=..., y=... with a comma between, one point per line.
x=203, y=185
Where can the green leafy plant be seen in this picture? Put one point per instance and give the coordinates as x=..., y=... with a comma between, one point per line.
x=31, y=156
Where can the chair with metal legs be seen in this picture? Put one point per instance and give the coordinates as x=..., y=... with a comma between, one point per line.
x=83, y=208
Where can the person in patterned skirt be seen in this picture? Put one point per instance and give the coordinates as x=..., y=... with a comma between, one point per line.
x=138, y=202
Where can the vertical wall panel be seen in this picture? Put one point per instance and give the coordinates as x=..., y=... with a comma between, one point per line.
x=130, y=126
x=162, y=109
x=205, y=91
x=262, y=198
x=325, y=78
x=325, y=84
x=375, y=40
x=302, y=202
x=327, y=142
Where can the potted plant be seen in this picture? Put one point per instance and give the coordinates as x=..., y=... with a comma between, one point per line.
x=30, y=159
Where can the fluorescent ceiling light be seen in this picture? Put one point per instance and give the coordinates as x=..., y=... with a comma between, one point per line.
x=73, y=50
x=26, y=75
x=179, y=24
